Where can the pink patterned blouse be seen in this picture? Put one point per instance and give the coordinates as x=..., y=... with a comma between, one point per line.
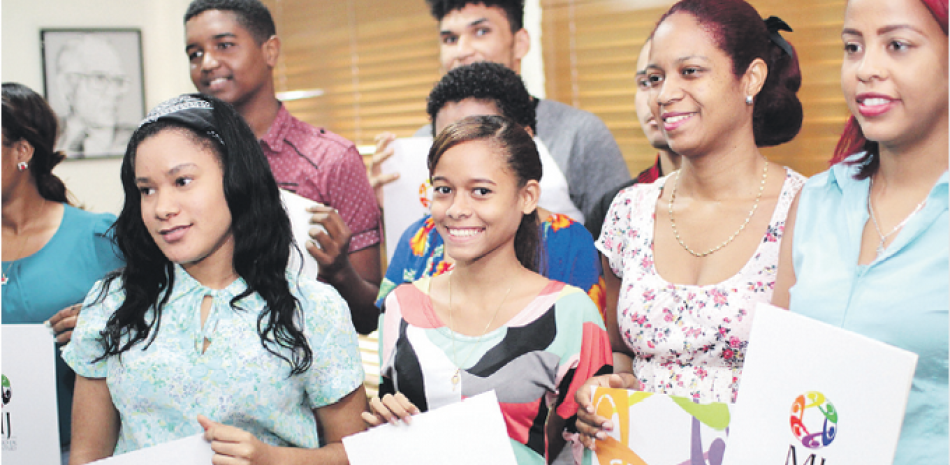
x=688, y=340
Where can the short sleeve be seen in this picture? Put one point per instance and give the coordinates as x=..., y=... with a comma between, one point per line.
x=611, y=242
x=84, y=346
x=337, y=366
x=350, y=193
x=591, y=355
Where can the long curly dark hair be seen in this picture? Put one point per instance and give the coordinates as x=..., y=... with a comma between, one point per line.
x=259, y=225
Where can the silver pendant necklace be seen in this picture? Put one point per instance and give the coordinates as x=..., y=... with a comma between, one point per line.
x=877, y=228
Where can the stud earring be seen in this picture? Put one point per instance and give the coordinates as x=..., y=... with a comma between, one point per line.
x=748, y=100
x=22, y=166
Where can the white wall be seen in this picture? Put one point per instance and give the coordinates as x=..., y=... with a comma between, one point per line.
x=95, y=184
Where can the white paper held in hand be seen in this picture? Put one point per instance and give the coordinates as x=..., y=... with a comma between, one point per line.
x=471, y=432
x=407, y=198
x=296, y=208
x=815, y=393
x=191, y=450
x=28, y=420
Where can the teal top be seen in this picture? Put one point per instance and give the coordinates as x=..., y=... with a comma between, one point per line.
x=57, y=276
x=901, y=298
x=159, y=389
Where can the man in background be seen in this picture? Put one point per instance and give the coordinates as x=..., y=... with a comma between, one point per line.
x=232, y=48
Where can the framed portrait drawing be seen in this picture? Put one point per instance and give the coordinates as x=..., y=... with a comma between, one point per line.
x=93, y=79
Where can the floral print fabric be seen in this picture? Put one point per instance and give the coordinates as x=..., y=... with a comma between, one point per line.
x=159, y=390
x=688, y=340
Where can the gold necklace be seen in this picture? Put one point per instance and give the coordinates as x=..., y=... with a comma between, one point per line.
x=457, y=377
x=880, y=247
x=676, y=234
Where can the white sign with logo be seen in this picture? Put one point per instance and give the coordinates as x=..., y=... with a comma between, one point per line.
x=815, y=393
x=30, y=425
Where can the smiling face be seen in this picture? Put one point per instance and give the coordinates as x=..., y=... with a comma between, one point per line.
x=477, y=204
x=894, y=73
x=697, y=99
x=225, y=59
x=182, y=196
x=642, y=103
x=480, y=33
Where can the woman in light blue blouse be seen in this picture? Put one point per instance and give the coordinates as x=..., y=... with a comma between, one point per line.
x=868, y=247
x=205, y=330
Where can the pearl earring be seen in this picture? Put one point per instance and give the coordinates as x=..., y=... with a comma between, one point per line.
x=748, y=100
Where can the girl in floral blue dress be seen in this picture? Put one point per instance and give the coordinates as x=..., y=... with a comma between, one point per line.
x=205, y=329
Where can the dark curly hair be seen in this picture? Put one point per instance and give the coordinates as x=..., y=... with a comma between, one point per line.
x=251, y=15
x=490, y=82
x=514, y=9
x=27, y=116
x=262, y=242
x=737, y=30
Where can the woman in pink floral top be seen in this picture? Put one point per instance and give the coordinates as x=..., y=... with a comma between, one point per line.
x=687, y=258
x=687, y=339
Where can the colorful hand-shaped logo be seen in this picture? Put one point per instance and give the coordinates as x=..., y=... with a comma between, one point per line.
x=814, y=420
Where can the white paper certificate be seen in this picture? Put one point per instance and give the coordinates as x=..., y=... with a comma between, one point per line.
x=192, y=450
x=29, y=422
x=296, y=208
x=471, y=432
x=815, y=393
x=407, y=198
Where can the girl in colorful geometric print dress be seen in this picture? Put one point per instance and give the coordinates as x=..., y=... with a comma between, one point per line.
x=491, y=323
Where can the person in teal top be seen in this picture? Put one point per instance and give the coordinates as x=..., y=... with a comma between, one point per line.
x=52, y=252
x=206, y=328
x=867, y=249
